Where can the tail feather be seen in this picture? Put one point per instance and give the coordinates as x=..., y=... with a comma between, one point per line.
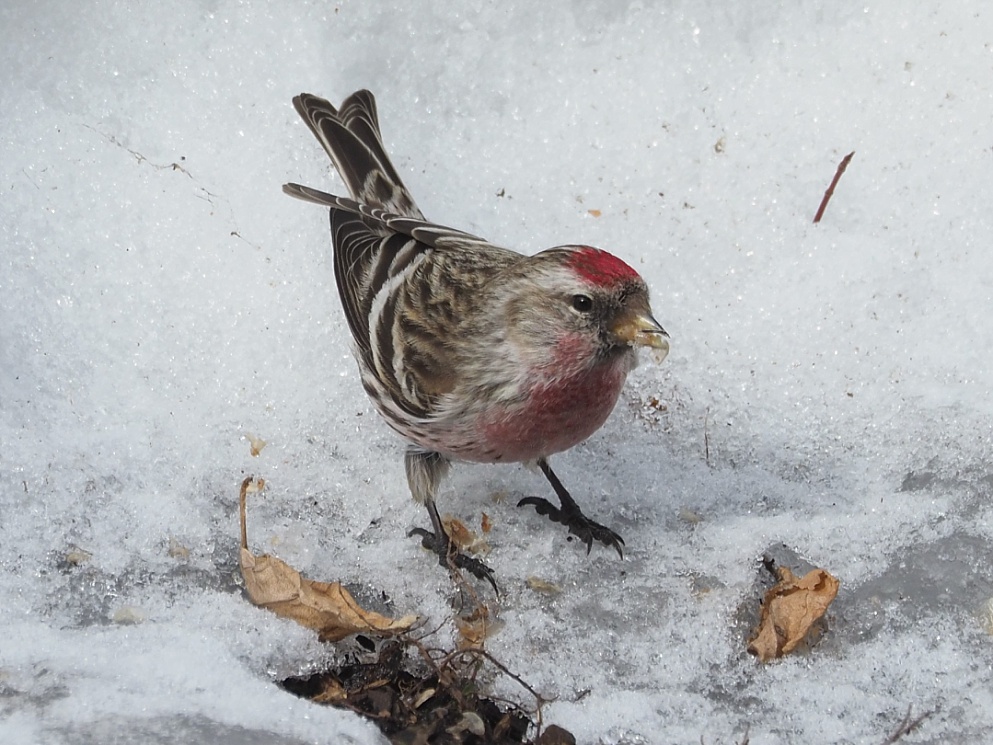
x=350, y=136
x=383, y=222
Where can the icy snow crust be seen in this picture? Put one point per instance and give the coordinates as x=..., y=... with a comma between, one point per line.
x=828, y=387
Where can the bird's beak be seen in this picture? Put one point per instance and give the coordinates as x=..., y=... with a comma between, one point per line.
x=640, y=329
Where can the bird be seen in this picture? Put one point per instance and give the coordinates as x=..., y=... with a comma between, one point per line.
x=470, y=351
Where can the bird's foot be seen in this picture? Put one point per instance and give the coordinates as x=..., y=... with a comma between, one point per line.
x=450, y=557
x=579, y=525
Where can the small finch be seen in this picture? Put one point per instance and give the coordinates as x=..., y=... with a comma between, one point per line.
x=470, y=351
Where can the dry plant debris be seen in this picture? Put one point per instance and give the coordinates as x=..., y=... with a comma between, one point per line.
x=437, y=701
x=834, y=182
x=256, y=444
x=908, y=725
x=790, y=610
x=543, y=586
x=555, y=735
x=428, y=697
x=328, y=608
x=177, y=550
x=465, y=537
x=475, y=626
x=76, y=556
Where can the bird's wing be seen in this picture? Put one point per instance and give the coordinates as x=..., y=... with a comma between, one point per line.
x=405, y=284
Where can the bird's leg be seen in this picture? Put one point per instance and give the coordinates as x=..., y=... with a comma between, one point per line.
x=571, y=516
x=448, y=553
x=424, y=472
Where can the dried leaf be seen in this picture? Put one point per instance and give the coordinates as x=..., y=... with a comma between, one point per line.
x=486, y=524
x=789, y=610
x=256, y=444
x=424, y=697
x=458, y=531
x=76, y=556
x=543, y=586
x=128, y=615
x=463, y=537
x=555, y=735
x=470, y=722
x=476, y=627
x=332, y=693
x=177, y=550
x=327, y=608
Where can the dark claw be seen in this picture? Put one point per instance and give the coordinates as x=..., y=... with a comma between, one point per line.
x=579, y=525
x=449, y=556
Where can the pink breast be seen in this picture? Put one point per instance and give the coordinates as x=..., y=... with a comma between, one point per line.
x=556, y=415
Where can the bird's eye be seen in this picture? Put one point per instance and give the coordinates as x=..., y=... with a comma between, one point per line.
x=582, y=303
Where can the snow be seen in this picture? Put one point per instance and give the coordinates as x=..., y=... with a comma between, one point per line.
x=828, y=386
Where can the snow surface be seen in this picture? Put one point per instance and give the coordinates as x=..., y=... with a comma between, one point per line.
x=828, y=389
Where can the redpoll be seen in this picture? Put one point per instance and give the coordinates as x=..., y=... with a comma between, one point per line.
x=470, y=351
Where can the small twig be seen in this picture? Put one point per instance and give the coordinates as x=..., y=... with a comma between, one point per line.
x=445, y=668
x=242, y=509
x=540, y=701
x=706, y=438
x=432, y=632
x=499, y=666
x=834, y=182
x=908, y=725
x=207, y=195
x=139, y=157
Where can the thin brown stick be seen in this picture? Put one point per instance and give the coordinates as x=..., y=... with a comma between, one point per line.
x=540, y=701
x=908, y=725
x=706, y=439
x=834, y=182
x=444, y=668
x=242, y=509
x=462, y=653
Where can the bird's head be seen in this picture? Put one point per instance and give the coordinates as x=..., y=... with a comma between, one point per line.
x=584, y=303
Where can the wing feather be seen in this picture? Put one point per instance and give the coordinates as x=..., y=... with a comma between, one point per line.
x=405, y=283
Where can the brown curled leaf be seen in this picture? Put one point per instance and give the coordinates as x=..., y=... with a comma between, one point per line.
x=790, y=609
x=328, y=608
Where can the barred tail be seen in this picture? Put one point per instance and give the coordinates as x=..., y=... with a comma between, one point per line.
x=350, y=135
